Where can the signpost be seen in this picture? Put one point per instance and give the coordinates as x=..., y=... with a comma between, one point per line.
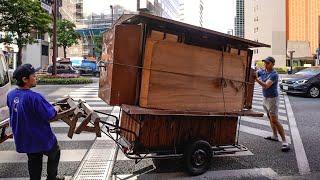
x=46, y=7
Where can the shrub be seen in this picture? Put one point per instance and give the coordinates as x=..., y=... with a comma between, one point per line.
x=281, y=70
x=63, y=80
x=60, y=80
x=61, y=76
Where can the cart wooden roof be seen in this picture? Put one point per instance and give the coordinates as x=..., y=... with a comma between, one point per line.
x=193, y=34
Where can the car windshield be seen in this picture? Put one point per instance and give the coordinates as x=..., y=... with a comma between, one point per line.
x=309, y=71
x=76, y=62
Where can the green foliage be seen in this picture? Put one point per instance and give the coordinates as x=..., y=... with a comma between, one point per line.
x=97, y=41
x=259, y=64
x=281, y=70
x=51, y=80
x=66, y=34
x=20, y=18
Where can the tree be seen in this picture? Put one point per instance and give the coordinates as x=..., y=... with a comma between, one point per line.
x=97, y=41
x=21, y=18
x=67, y=36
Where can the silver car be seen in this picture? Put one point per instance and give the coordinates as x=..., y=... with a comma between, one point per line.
x=4, y=89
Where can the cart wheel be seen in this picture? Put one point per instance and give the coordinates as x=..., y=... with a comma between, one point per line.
x=198, y=157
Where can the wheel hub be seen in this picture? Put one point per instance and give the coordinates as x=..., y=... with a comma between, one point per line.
x=199, y=157
x=314, y=92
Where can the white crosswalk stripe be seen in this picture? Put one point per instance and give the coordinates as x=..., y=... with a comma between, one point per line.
x=251, y=123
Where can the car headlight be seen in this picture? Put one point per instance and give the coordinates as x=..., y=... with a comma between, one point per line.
x=302, y=81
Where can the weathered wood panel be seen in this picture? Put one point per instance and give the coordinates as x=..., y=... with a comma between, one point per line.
x=188, y=78
x=166, y=132
x=122, y=47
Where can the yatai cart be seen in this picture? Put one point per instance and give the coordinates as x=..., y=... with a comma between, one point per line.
x=182, y=90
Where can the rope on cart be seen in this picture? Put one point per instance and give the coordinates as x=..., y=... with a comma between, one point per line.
x=183, y=74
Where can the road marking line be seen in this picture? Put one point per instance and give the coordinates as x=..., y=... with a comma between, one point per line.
x=109, y=108
x=259, y=132
x=261, y=97
x=66, y=156
x=261, y=122
x=91, y=99
x=283, y=118
x=261, y=108
x=301, y=156
x=81, y=95
x=76, y=137
x=221, y=174
x=84, y=92
x=97, y=103
x=281, y=104
x=27, y=178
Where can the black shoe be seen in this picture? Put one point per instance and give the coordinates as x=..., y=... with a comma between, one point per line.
x=285, y=147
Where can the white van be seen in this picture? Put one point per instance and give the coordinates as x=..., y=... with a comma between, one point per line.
x=4, y=89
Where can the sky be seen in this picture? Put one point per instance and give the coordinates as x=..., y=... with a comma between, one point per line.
x=218, y=14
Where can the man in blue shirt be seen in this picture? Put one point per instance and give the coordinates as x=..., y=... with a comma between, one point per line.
x=30, y=114
x=268, y=79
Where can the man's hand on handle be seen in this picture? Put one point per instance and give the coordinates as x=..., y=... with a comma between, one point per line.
x=58, y=109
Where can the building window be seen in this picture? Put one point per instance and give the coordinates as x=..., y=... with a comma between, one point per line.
x=45, y=50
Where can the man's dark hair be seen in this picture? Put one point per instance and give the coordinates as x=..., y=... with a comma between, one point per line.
x=22, y=71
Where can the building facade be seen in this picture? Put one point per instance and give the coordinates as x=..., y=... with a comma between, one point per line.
x=191, y=12
x=303, y=22
x=266, y=24
x=239, y=19
x=92, y=19
x=293, y=26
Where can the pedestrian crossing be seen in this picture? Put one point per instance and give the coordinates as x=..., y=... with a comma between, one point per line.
x=72, y=150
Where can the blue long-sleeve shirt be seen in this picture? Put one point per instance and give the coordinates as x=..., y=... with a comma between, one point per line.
x=29, y=118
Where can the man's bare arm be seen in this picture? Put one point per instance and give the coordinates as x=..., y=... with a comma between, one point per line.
x=266, y=84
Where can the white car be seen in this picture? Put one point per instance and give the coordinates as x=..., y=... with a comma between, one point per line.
x=4, y=89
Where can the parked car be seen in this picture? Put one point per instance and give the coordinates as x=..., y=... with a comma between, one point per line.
x=5, y=86
x=63, y=69
x=306, y=81
x=85, y=66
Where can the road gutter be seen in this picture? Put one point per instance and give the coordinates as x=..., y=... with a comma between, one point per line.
x=99, y=160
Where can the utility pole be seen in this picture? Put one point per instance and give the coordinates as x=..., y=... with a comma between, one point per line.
x=54, y=37
x=291, y=60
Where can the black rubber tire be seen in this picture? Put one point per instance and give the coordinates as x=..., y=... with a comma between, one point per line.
x=311, y=94
x=197, y=157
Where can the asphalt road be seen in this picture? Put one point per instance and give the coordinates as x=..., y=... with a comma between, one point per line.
x=307, y=114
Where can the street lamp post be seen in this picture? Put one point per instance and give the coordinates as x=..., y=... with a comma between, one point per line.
x=111, y=8
x=291, y=60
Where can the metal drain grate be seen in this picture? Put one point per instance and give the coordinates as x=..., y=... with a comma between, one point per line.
x=98, y=162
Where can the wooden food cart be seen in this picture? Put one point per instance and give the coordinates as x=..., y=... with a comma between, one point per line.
x=181, y=88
